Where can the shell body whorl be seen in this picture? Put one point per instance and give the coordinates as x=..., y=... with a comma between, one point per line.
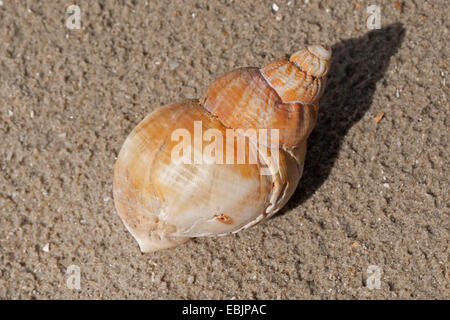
x=164, y=203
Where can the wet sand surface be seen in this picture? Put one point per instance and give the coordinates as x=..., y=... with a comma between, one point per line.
x=373, y=202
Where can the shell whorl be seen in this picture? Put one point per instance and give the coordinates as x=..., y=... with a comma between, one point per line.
x=302, y=77
x=314, y=60
x=281, y=95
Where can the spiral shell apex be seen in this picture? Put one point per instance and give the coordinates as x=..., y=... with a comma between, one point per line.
x=314, y=60
x=301, y=79
x=164, y=203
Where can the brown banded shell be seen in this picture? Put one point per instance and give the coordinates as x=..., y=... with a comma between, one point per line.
x=164, y=203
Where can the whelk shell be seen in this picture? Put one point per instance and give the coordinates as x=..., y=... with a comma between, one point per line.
x=164, y=203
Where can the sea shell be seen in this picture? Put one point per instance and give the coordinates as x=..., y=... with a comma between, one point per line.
x=163, y=202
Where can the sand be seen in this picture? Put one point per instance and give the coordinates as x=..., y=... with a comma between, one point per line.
x=373, y=203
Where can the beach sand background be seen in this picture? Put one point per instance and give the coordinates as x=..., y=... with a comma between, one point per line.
x=373, y=200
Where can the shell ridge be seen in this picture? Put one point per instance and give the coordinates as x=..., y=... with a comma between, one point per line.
x=285, y=102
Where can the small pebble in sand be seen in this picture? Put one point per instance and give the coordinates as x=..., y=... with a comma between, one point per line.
x=46, y=248
x=173, y=65
x=398, y=5
x=278, y=17
x=379, y=116
x=275, y=7
x=397, y=93
x=1, y=3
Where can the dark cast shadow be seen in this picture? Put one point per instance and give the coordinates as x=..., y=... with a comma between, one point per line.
x=356, y=66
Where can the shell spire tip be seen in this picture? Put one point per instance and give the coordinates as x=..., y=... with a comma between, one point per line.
x=320, y=50
x=315, y=60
